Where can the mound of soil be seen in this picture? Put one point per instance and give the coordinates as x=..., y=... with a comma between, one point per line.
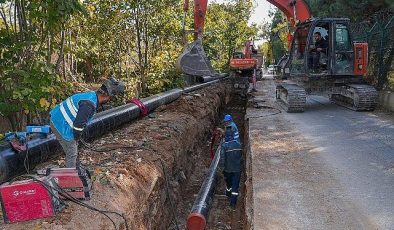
x=143, y=178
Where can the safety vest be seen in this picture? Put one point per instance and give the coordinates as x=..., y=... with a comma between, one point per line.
x=232, y=153
x=236, y=133
x=64, y=114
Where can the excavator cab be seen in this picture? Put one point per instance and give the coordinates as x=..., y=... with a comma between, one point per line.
x=336, y=60
x=335, y=69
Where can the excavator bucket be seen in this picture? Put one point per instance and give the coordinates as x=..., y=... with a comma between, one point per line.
x=193, y=61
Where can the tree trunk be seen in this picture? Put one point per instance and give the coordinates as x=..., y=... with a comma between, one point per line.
x=61, y=54
x=49, y=55
x=139, y=47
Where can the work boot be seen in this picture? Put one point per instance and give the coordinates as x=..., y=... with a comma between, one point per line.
x=228, y=193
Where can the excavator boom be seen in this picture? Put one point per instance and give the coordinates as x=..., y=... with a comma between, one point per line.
x=193, y=60
x=295, y=10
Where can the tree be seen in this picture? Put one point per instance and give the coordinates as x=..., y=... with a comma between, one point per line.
x=52, y=48
x=226, y=29
x=29, y=85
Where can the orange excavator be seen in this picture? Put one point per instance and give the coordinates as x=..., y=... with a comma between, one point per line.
x=245, y=68
x=336, y=71
x=244, y=61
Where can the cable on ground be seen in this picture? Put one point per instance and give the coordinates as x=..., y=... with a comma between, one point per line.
x=267, y=115
x=69, y=197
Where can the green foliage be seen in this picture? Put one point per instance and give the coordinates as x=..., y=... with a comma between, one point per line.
x=226, y=29
x=30, y=85
x=32, y=90
x=46, y=45
x=276, y=33
x=356, y=10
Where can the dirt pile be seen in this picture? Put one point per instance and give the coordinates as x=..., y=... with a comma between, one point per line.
x=133, y=181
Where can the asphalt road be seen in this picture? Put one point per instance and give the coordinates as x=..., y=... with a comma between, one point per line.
x=326, y=168
x=359, y=148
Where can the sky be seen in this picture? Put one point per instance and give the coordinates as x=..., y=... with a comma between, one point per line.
x=259, y=14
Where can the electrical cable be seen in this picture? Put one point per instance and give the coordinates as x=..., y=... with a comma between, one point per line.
x=69, y=197
x=26, y=160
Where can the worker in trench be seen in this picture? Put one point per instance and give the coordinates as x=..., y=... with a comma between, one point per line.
x=231, y=163
x=70, y=117
x=228, y=121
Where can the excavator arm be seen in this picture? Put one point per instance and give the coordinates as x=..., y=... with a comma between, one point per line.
x=295, y=10
x=193, y=61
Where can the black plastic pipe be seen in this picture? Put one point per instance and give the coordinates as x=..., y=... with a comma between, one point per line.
x=15, y=163
x=203, y=79
x=41, y=149
x=198, y=216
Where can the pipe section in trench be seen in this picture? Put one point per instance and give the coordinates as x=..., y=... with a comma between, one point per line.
x=197, y=219
x=39, y=150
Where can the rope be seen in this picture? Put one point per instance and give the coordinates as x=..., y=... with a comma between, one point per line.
x=144, y=110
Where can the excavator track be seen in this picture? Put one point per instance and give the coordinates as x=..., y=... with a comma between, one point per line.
x=357, y=97
x=291, y=97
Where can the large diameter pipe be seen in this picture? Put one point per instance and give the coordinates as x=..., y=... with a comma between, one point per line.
x=198, y=216
x=113, y=118
x=14, y=163
x=218, y=76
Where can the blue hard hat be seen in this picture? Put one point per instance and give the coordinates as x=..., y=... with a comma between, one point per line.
x=227, y=117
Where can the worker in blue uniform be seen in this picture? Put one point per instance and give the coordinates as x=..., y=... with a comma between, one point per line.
x=231, y=155
x=70, y=117
x=228, y=121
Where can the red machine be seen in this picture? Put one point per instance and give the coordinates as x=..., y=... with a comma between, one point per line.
x=75, y=182
x=337, y=71
x=29, y=199
x=246, y=67
x=244, y=61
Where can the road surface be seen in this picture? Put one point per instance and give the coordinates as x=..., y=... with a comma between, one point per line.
x=326, y=168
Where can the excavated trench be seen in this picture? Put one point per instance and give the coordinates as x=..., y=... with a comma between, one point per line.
x=155, y=183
